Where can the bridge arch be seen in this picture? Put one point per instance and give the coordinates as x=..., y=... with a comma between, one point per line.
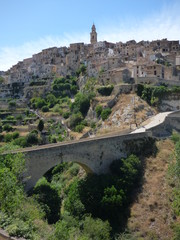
x=37, y=168
x=94, y=155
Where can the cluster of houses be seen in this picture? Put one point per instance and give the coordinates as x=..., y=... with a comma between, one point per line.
x=111, y=63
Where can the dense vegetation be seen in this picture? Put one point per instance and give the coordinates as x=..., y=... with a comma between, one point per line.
x=64, y=101
x=153, y=94
x=105, y=90
x=19, y=214
x=66, y=204
x=88, y=207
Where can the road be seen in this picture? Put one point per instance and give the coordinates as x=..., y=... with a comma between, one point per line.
x=154, y=121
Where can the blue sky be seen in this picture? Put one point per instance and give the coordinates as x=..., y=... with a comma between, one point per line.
x=28, y=26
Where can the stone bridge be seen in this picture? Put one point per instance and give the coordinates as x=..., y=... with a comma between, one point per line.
x=94, y=154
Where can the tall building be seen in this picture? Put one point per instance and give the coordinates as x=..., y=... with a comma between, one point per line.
x=93, y=35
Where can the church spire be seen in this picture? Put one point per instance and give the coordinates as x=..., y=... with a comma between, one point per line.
x=93, y=35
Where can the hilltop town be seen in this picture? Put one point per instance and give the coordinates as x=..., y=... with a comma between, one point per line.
x=124, y=98
x=111, y=63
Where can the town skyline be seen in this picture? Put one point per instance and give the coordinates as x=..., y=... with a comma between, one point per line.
x=124, y=22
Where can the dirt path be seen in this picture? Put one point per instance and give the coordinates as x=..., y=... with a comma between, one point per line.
x=151, y=215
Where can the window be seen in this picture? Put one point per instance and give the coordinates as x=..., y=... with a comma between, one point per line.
x=155, y=73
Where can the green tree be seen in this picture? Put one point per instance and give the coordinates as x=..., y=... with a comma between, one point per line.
x=38, y=102
x=75, y=119
x=10, y=193
x=105, y=113
x=7, y=128
x=31, y=139
x=96, y=229
x=81, y=103
x=49, y=199
x=11, y=169
x=41, y=125
x=51, y=99
x=8, y=137
x=73, y=203
x=99, y=109
x=82, y=69
x=45, y=109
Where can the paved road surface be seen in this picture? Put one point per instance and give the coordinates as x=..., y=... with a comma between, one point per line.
x=154, y=121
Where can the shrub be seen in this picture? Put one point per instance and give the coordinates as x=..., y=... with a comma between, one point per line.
x=175, y=137
x=7, y=128
x=8, y=137
x=74, y=89
x=79, y=128
x=51, y=99
x=49, y=199
x=11, y=193
x=82, y=69
x=74, y=169
x=73, y=203
x=140, y=89
x=15, y=135
x=12, y=104
x=45, y=109
x=93, y=125
x=32, y=139
x=63, y=87
x=35, y=132
x=66, y=115
x=96, y=229
x=53, y=139
x=81, y=103
x=128, y=169
x=40, y=125
x=99, y=109
x=57, y=108
x=146, y=94
x=75, y=119
x=105, y=90
x=21, y=141
x=105, y=113
x=38, y=102
x=10, y=117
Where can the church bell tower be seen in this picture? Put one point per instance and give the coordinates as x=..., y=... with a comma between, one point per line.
x=93, y=35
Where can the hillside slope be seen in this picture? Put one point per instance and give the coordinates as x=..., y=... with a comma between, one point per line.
x=129, y=112
x=151, y=215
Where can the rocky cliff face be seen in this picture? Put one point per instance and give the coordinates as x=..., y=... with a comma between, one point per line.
x=128, y=113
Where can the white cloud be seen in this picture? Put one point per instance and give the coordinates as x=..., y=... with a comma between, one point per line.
x=164, y=24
